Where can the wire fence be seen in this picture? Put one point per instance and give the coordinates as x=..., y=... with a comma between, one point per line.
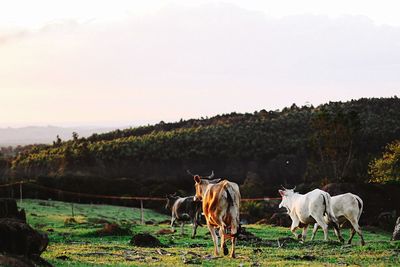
x=21, y=186
x=97, y=196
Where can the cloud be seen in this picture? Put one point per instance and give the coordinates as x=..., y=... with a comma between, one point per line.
x=6, y=37
x=200, y=61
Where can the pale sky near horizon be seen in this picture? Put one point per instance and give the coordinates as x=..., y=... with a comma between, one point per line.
x=111, y=63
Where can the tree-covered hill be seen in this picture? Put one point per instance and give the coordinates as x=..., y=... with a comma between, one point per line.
x=331, y=142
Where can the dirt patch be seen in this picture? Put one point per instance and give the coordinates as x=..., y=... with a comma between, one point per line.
x=194, y=258
x=165, y=232
x=97, y=221
x=145, y=240
x=245, y=235
x=70, y=221
x=301, y=257
x=113, y=229
x=250, y=239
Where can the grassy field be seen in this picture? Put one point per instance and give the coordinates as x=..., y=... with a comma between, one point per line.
x=77, y=243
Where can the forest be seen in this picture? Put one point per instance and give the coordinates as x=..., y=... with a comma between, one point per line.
x=341, y=142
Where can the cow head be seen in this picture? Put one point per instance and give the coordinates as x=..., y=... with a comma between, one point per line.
x=170, y=200
x=286, y=195
x=200, y=184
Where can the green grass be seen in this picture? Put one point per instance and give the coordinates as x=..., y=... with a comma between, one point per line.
x=79, y=244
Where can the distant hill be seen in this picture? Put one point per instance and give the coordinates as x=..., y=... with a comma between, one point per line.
x=334, y=142
x=44, y=135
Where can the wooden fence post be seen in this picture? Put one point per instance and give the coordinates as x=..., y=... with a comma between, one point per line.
x=20, y=193
x=141, y=212
x=72, y=209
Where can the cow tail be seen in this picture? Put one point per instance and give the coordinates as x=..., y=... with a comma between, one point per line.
x=229, y=198
x=329, y=211
x=231, y=202
x=360, y=206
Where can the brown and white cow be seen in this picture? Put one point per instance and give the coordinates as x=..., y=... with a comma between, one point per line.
x=184, y=209
x=221, y=203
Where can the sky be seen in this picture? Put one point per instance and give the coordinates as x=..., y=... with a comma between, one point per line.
x=111, y=63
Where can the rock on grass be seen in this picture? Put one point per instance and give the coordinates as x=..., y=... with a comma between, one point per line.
x=145, y=240
x=18, y=237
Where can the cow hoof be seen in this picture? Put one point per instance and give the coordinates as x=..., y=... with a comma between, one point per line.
x=299, y=236
x=362, y=243
x=349, y=242
x=225, y=250
x=233, y=256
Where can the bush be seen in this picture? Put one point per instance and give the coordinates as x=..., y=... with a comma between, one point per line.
x=387, y=168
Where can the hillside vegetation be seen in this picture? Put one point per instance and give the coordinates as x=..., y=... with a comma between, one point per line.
x=334, y=142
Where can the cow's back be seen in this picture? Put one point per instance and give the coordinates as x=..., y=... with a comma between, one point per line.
x=308, y=204
x=346, y=205
x=184, y=208
x=221, y=203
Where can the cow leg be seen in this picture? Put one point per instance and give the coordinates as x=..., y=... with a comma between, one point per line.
x=357, y=228
x=315, y=229
x=304, y=233
x=198, y=218
x=352, y=233
x=234, y=233
x=223, y=240
x=182, y=228
x=293, y=228
x=172, y=223
x=323, y=225
x=337, y=231
x=194, y=228
x=214, y=238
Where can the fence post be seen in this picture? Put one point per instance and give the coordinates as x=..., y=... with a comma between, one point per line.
x=20, y=193
x=141, y=212
x=72, y=209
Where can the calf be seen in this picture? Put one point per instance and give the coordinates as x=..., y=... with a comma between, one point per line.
x=221, y=203
x=309, y=209
x=184, y=209
x=346, y=207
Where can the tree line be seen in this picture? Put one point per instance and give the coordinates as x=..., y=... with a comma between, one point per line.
x=333, y=142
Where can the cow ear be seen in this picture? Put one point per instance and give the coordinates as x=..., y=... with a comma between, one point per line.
x=197, y=179
x=281, y=192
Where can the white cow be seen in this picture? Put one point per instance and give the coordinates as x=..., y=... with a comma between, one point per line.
x=309, y=209
x=346, y=207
